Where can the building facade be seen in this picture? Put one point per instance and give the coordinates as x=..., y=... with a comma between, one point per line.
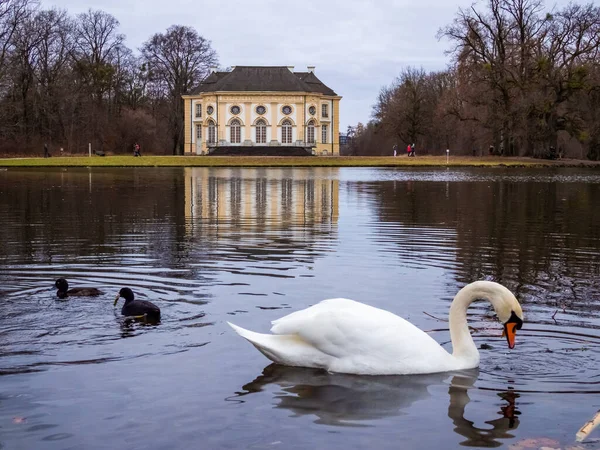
x=255, y=110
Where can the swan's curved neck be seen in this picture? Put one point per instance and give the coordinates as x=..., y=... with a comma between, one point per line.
x=463, y=346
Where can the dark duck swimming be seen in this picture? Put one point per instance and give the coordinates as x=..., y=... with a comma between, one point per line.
x=138, y=309
x=63, y=290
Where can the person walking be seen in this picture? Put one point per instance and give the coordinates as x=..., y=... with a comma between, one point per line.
x=46, y=151
x=408, y=150
x=136, y=150
x=395, y=149
x=412, y=149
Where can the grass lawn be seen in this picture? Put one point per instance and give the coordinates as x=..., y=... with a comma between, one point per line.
x=266, y=161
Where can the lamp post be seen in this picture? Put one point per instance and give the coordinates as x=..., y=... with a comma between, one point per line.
x=447, y=155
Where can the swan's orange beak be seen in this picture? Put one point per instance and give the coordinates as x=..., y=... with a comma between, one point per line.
x=510, y=331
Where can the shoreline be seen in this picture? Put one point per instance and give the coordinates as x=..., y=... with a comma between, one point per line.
x=291, y=161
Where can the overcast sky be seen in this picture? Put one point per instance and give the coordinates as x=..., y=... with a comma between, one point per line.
x=357, y=46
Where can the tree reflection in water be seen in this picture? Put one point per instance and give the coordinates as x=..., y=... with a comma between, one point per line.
x=348, y=400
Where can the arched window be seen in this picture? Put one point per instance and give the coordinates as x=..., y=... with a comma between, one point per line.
x=261, y=132
x=235, y=132
x=286, y=132
x=212, y=132
x=310, y=132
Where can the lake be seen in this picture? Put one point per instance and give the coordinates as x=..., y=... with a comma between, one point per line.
x=211, y=245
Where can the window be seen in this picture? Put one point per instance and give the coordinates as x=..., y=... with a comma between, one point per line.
x=260, y=110
x=261, y=132
x=198, y=110
x=286, y=132
x=210, y=110
x=310, y=132
x=312, y=110
x=287, y=110
x=198, y=132
x=324, y=110
x=235, y=132
x=324, y=134
x=212, y=132
x=235, y=110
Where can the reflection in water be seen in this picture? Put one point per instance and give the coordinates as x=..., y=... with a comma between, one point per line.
x=180, y=237
x=261, y=198
x=131, y=326
x=204, y=243
x=481, y=437
x=347, y=400
x=540, y=237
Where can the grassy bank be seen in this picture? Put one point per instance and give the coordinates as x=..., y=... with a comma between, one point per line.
x=250, y=161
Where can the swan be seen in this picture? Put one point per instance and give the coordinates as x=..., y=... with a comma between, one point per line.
x=346, y=336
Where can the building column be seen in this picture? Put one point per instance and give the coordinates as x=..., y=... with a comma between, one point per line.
x=248, y=122
x=274, y=123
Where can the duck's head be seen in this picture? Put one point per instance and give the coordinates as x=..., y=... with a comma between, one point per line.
x=126, y=293
x=62, y=285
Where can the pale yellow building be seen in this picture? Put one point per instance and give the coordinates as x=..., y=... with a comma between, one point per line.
x=262, y=111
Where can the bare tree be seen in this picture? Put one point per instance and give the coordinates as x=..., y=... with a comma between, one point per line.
x=58, y=97
x=97, y=44
x=69, y=80
x=566, y=56
x=482, y=46
x=12, y=14
x=521, y=81
x=177, y=60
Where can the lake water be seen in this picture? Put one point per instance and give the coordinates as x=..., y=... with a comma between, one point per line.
x=210, y=245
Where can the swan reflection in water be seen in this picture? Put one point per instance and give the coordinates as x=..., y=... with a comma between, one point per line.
x=346, y=400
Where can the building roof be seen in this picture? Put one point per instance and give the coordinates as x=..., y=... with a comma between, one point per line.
x=314, y=84
x=262, y=78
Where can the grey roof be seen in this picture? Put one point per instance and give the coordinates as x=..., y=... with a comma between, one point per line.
x=262, y=78
x=314, y=84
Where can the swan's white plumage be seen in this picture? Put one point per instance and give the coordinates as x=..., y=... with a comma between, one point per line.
x=346, y=336
x=357, y=337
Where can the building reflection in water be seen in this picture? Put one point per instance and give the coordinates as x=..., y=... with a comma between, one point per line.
x=261, y=198
x=347, y=400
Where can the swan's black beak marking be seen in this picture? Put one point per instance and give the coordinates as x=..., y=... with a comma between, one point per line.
x=511, y=326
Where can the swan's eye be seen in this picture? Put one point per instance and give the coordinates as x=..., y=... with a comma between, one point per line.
x=515, y=319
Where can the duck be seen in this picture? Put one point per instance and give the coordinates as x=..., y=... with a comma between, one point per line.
x=63, y=290
x=138, y=309
x=345, y=336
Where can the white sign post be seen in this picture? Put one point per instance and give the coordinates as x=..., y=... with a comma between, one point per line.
x=447, y=154
x=90, y=148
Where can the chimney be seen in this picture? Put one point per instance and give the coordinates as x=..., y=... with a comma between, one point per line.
x=291, y=68
x=311, y=69
x=213, y=69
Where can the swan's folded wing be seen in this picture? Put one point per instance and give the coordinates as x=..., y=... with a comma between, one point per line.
x=343, y=328
x=291, y=323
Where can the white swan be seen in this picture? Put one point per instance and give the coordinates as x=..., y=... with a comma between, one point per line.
x=346, y=336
